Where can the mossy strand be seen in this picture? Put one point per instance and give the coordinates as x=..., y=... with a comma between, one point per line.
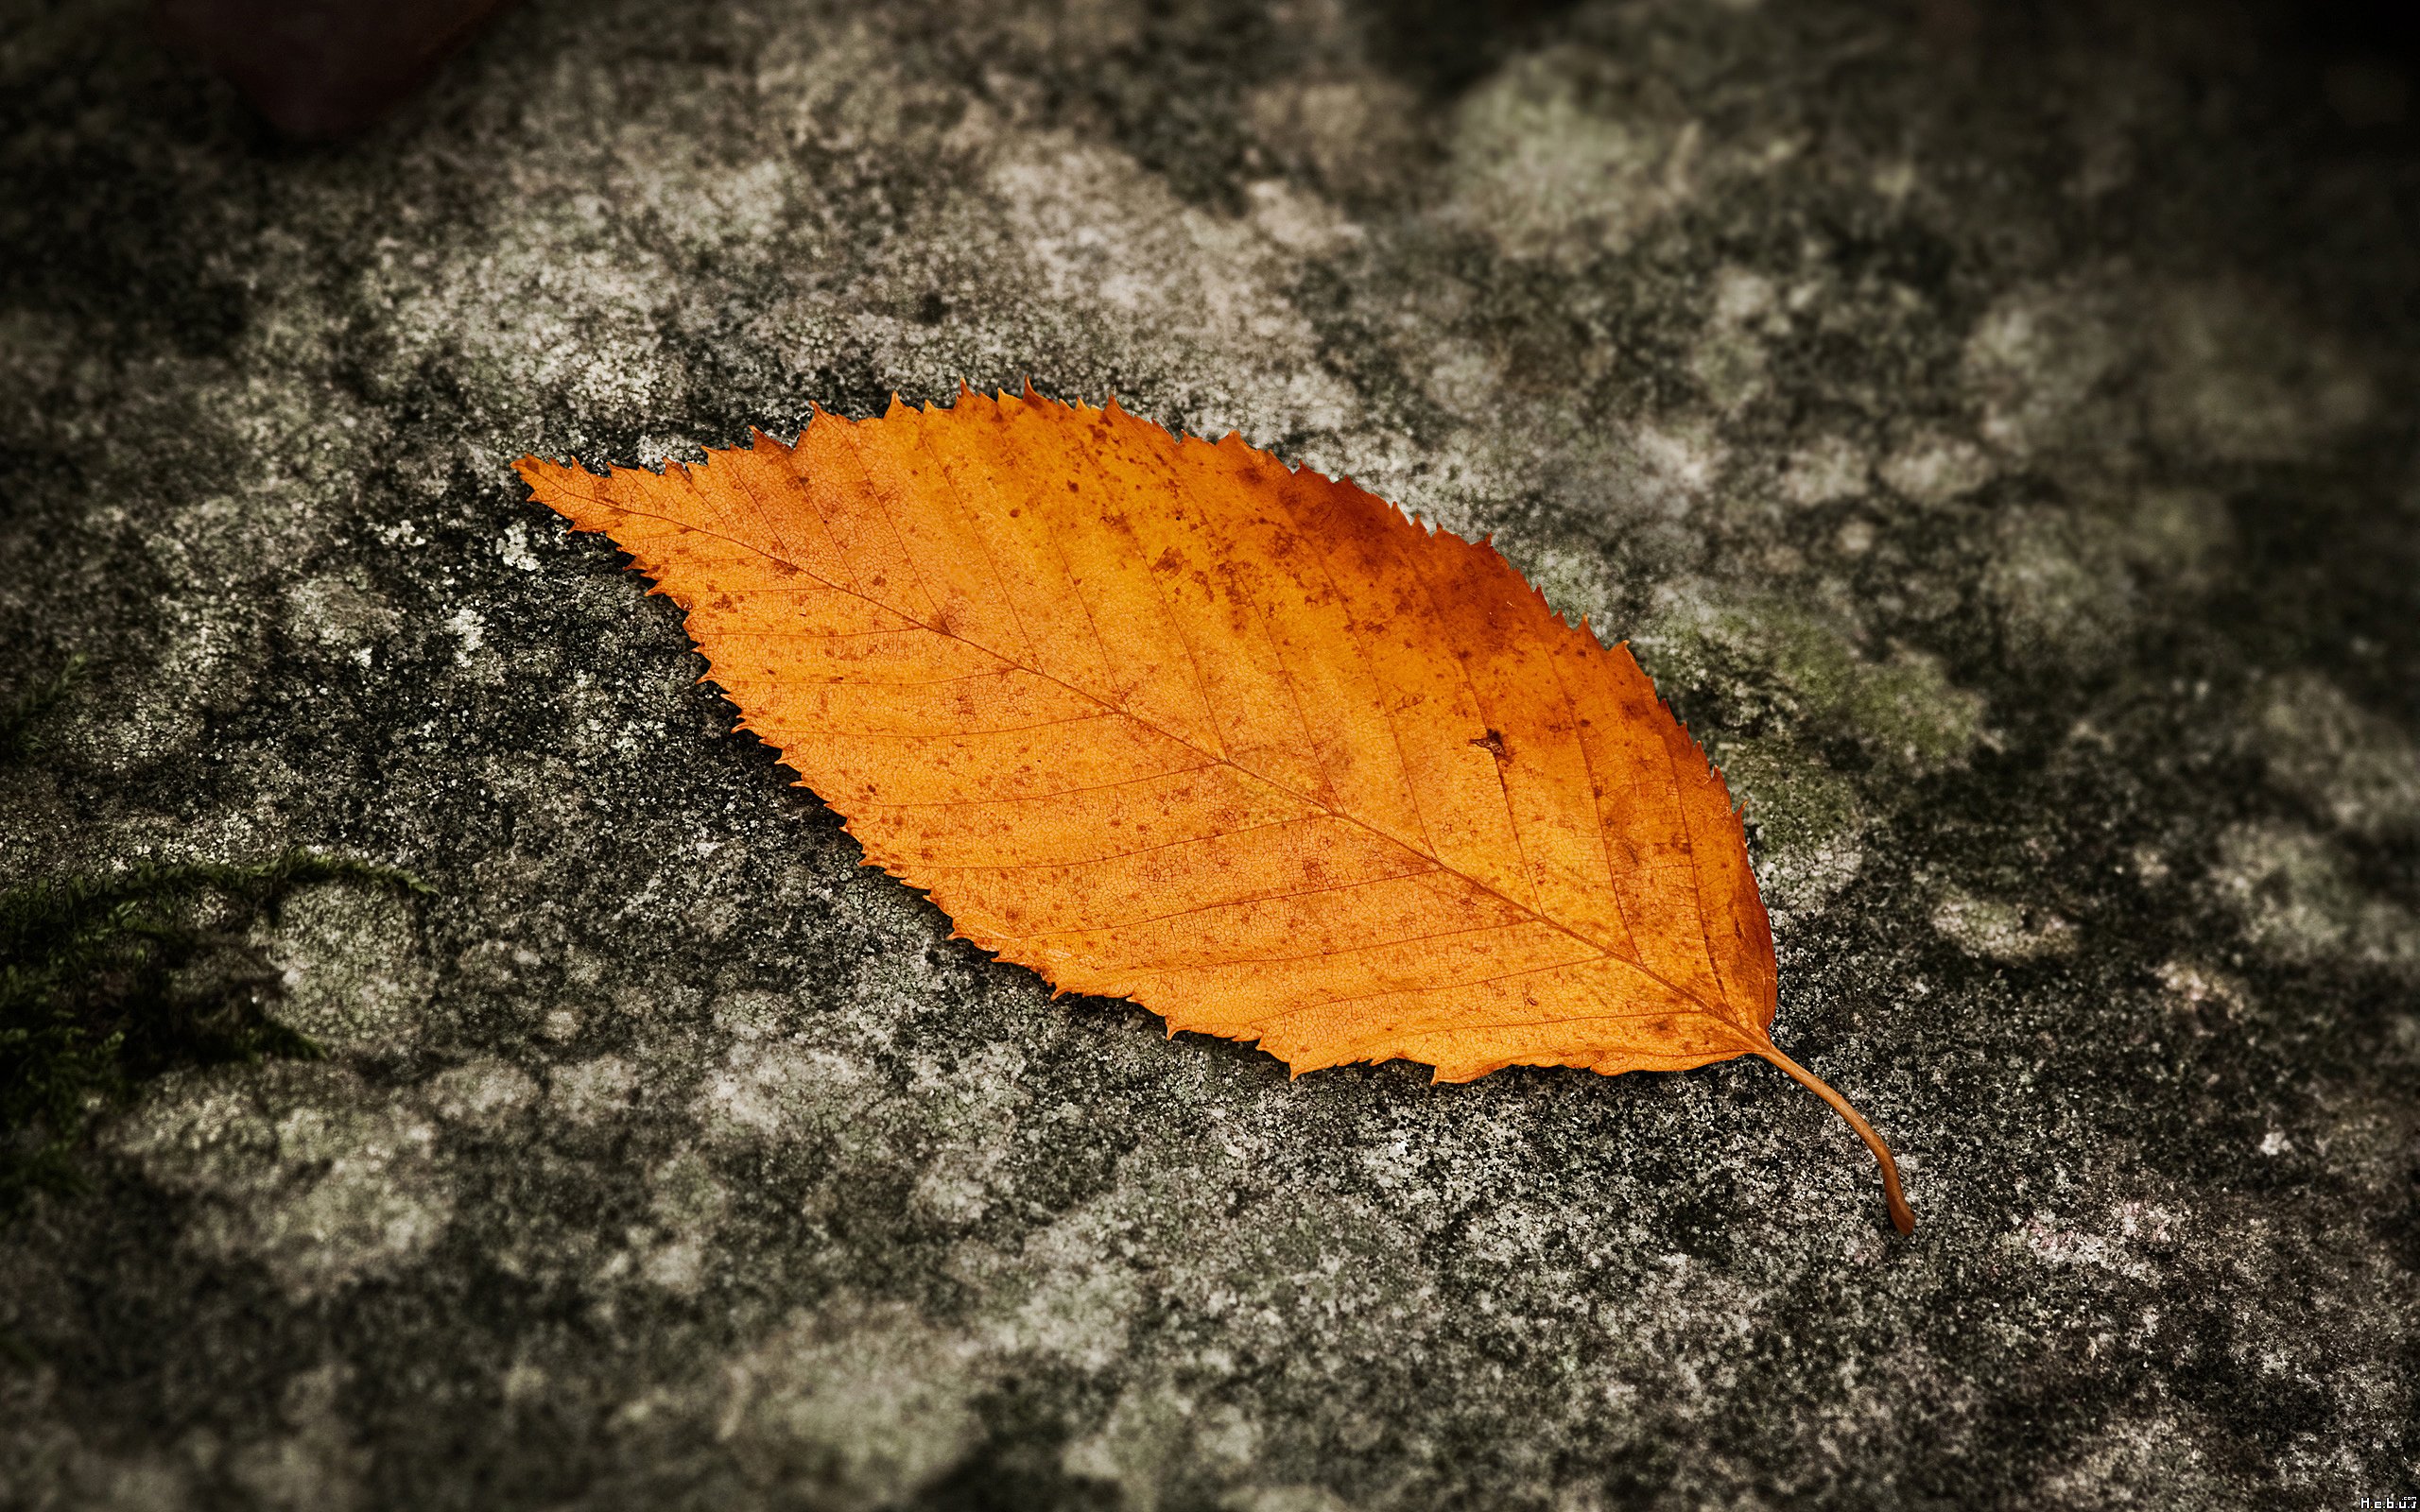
x=109, y=980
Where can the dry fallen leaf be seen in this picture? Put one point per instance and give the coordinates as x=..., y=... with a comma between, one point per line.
x=1164, y=720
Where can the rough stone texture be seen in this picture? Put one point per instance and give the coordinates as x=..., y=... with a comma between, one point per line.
x=1993, y=430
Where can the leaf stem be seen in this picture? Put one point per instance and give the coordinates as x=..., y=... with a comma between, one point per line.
x=1901, y=1217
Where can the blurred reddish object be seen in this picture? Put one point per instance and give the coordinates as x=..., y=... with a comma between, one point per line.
x=320, y=68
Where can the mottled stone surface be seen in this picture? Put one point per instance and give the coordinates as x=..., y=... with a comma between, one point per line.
x=1993, y=431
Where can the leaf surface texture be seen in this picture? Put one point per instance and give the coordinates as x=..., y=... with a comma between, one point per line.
x=1163, y=719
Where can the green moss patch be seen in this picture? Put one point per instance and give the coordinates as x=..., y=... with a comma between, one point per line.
x=109, y=980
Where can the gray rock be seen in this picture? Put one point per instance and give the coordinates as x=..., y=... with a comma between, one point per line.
x=1994, y=435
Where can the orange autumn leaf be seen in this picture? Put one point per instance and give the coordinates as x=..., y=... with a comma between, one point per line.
x=1167, y=720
